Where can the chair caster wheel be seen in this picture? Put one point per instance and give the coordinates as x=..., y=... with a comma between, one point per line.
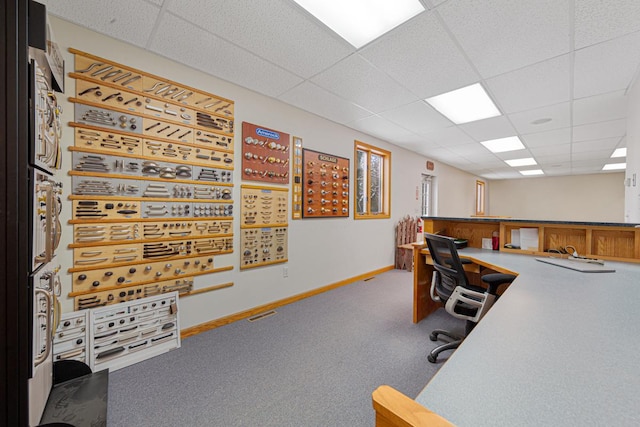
x=433, y=337
x=431, y=359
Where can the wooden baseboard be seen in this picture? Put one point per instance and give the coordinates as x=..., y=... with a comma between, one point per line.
x=194, y=330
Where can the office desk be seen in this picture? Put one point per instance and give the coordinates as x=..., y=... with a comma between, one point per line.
x=559, y=348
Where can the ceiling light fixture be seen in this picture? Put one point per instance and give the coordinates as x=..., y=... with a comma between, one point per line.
x=614, y=166
x=532, y=172
x=619, y=152
x=465, y=105
x=521, y=162
x=501, y=145
x=361, y=21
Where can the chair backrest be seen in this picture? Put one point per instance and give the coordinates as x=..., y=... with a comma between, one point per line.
x=447, y=263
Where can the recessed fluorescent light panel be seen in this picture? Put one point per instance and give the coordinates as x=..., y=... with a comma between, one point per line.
x=614, y=166
x=465, y=105
x=521, y=162
x=619, y=152
x=361, y=21
x=501, y=145
x=532, y=172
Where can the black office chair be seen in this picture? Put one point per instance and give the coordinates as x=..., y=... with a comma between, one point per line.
x=449, y=284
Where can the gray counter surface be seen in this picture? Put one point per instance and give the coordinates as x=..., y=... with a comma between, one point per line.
x=559, y=348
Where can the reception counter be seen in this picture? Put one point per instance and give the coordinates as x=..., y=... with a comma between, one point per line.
x=559, y=348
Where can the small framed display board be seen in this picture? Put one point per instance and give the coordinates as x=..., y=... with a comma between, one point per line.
x=264, y=226
x=265, y=154
x=325, y=185
x=296, y=173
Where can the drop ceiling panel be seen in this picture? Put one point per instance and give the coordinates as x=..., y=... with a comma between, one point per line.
x=501, y=36
x=422, y=56
x=472, y=151
x=562, y=151
x=542, y=84
x=381, y=128
x=316, y=100
x=605, y=145
x=356, y=79
x=560, y=115
x=512, y=155
x=493, y=128
x=121, y=19
x=548, y=138
x=600, y=20
x=606, y=67
x=201, y=50
x=448, y=137
x=600, y=108
x=278, y=31
x=600, y=130
x=417, y=117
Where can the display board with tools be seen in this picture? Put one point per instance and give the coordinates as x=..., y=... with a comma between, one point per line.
x=152, y=183
x=264, y=226
x=325, y=185
x=265, y=154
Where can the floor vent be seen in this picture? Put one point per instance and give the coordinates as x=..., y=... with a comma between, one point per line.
x=369, y=278
x=261, y=315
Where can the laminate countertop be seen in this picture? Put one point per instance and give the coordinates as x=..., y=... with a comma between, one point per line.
x=559, y=348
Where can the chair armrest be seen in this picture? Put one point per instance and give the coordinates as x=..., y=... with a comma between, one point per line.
x=394, y=409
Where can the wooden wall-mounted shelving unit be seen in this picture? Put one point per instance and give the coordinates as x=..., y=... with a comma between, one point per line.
x=615, y=242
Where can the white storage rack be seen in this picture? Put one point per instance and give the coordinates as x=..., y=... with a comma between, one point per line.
x=120, y=335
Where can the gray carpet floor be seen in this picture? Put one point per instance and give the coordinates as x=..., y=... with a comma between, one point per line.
x=314, y=363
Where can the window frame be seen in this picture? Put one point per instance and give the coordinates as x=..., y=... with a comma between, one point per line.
x=386, y=181
x=481, y=198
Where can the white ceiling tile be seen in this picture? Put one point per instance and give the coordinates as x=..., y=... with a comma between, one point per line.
x=318, y=101
x=417, y=117
x=124, y=20
x=356, y=79
x=548, y=138
x=471, y=151
x=442, y=154
x=504, y=35
x=278, y=31
x=511, y=155
x=600, y=130
x=605, y=145
x=600, y=20
x=422, y=56
x=588, y=158
x=448, y=137
x=560, y=115
x=557, y=160
x=600, y=108
x=547, y=151
x=197, y=48
x=559, y=170
x=542, y=84
x=606, y=67
x=380, y=128
x=415, y=140
x=493, y=128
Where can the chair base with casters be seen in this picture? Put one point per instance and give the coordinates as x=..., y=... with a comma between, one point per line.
x=470, y=304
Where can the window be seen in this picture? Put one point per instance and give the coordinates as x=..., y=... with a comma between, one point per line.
x=480, y=198
x=373, y=182
x=427, y=195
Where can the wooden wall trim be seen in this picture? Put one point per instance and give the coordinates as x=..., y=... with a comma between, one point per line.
x=203, y=327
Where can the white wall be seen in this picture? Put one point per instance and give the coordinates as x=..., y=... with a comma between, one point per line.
x=597, y=197
x=632, y=173
x=321, y=251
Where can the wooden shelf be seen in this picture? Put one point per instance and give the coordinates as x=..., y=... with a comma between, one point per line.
x=616, y=242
